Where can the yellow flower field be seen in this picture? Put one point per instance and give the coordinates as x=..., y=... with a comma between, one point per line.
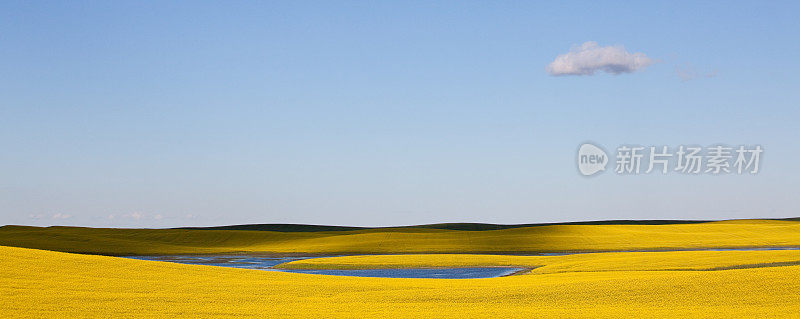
x=735, y=284
x=36, y=283
x=552, y=238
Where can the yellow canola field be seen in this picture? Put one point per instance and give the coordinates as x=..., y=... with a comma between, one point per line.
x=551, y=238
x=38, y=283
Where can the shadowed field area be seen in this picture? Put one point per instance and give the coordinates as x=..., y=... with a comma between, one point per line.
x=40, y=283
x=449, y=226
x=400, y=240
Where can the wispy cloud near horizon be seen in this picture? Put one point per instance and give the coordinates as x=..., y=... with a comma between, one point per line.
x=688, y=72
x=61, y=216
x=590, y=57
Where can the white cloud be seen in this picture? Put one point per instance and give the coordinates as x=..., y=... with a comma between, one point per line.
x=61, y=216
x=134, y=215
x=590, y=57
x=688, y=72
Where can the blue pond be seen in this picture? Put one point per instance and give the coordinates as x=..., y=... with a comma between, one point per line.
x=266, y=263
x=443, y=273
x=248, y=262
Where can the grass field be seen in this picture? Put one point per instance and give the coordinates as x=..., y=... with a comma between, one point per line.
x=544, y=238
x=36, y=283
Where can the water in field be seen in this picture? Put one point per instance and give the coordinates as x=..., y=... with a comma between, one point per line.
x=266, y=263
x=668, y=250
x=248, y=262
x=442, y=273
x=756, y=248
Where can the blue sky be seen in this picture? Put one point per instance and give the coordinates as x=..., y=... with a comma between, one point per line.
x=158, y=114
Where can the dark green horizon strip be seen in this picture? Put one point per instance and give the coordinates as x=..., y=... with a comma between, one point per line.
x=445, y=226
